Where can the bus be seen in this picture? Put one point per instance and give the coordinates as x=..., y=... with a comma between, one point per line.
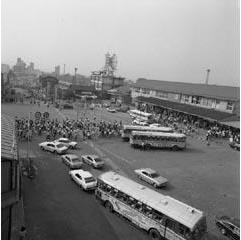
x=163, y=217
x=147, y=140
x=142, y=116
x=127, y=130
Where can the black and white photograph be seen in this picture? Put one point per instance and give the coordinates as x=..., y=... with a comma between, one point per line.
x=120, y=119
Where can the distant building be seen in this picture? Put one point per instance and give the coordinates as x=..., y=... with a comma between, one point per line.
x=105, y=79
x=25, y=76
x=5, y=68
x=212, y=102
x=57, y=71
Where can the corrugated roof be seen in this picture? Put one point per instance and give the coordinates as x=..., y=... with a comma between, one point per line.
x=205, y=113
x=211, y=91
x=8, y=140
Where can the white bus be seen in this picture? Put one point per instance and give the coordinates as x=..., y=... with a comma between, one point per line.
x=150, y=139
x=163, y=217
x=127, y=129
x=142, y=116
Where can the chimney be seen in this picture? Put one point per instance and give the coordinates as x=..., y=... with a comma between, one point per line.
x=207, y=77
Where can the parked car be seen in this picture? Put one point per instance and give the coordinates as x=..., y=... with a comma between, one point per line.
x=66, y=142
x=112, y=110
x=53, y=147
x=140, y=123
x=235, y=145
x=72, y=160
x=151, y=176
x=230, y=227
x=84, y=179
x=93, y=160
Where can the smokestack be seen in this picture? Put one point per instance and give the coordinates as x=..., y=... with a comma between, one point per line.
x=207, y=77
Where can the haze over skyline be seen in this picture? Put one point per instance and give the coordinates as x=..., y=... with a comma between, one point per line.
x=169, y=40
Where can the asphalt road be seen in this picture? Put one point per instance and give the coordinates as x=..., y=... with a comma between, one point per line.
x=56, y=208
x=204, y=177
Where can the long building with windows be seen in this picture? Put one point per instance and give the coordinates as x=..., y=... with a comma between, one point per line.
x=211, y=102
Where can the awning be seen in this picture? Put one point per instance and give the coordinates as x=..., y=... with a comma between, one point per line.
x=205, y=113
x=234, y=124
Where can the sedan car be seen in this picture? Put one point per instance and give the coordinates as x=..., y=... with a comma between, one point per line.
x=93, y=160
x=230, y=227
x=84, y=179
x=112, y=110
x=151, y=176
x=71, y=160
x=66, y=142
x=53, y=147
x=140, y=123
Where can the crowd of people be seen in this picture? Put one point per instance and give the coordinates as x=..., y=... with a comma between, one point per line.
x=189, y=125
x=81, y=129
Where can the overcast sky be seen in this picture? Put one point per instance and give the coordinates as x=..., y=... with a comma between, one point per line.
x=173, y=40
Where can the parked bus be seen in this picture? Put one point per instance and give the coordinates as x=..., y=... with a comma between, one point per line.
x=142, y=116
x=163, y=217
x=150, y=139
x=127, y=130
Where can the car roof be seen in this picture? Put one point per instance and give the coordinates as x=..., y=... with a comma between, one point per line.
x=71, y=155
x=82, y=173
x=148, y=170
x=62, y=139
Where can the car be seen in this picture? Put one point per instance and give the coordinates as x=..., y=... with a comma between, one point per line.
x=230, y=227
x=66, y=142
x=53, y=147
x=140, y=123
x=235, y=145
x=72, y=160
x=93, y=160
x=151, y=176
x=112, y=110
x=84, y=179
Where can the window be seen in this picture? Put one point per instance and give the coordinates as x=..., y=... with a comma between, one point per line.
x=170, y=224
x=162, y=94
x=182, y=229
x=229, y=106
x=145, y=91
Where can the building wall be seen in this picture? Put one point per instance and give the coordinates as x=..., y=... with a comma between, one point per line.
x=211, y=103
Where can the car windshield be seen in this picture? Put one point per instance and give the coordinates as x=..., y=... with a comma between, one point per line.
x=89, y=179
x=155, y=175
x=59, y=145
x=75, y=160
x=98, y=159
x=65, y=141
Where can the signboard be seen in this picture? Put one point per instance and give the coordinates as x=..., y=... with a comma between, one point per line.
x=38, y=115
x=46, y=115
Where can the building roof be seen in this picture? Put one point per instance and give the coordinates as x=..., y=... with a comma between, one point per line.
x=211, y=91
x=8, y=140
x=204, y=113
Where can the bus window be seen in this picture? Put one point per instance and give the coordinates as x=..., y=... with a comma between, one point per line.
x=182, y=229
x=157, y=216
x=108, y=189
x=171, y=224
x=138, y=206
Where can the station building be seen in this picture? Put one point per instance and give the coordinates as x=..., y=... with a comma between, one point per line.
x=208, y=102
x=10, y=178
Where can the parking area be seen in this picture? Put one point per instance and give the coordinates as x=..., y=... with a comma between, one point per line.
x=205, y=177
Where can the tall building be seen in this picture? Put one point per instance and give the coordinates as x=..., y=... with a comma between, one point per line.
x=5, y=68
x=57, y=70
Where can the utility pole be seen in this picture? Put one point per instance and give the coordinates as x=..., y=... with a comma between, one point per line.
x=207, y=76
x=29, y=117
x=75, y=70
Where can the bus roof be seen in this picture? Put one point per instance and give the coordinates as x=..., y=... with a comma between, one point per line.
x=134, y=127
x=135, y=111
x=169, y=206
x=157, y=134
